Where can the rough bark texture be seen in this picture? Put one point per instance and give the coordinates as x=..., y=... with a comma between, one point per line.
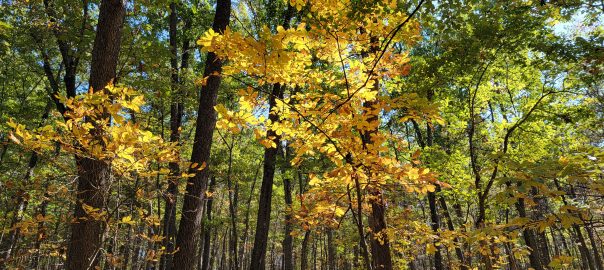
x=435, y=225
x=176, y=114
x=379, y=244
x=93, y=175
x=304, y=251
x=529, y=238
x=192, y=211
x=266, y=189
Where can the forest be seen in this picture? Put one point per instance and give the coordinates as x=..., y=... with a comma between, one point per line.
x=301, y=134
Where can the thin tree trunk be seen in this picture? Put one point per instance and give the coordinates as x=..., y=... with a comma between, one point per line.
x=9, y=245
x=176, y=113
x=206, y=230
x=192, y=211
x=380, y=244
x=529, y=238
x=233, y=194
x=243, y=250
x=41, y=234
x=266, y=189
x=435, y=225
x=451, y=227
x=331, y=251
x=304, y=251
x=588, y=261
x=288, y=241
x=86, y=233
x=10, y=242
x=594, y=246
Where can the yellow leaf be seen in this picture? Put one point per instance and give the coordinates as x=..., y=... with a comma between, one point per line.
x=268, y=143
x=128, y=220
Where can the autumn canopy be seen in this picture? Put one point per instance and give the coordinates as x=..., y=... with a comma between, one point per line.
x=301, y=134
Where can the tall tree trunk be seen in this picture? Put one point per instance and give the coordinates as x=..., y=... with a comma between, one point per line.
x=268, y=174
x=594, y=246
x=9, y=243
x=205, y=265
x=541, y=237
x=266, y=188
x=587, y=259
x=435, y=225
x=331, y=251
x=434, y=218
x=176, y=114
x=93, y=175
x=41, y=234
x=288, y=241
x=192, y=210
x=380, y=244
x=233, y=201
x=243, y=251
x=304, y=251
x=530, y=239
x=451, y=227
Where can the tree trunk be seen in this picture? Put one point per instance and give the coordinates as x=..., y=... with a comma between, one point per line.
x=451, y=227
x=176, y=113
x=331, y=251
x=304, y=251
x=192, y=210
x=587, y=259
x=435, y=225
x=529, y=238
x=380, y=245
x=270, y=156
x=9, y=245
x=41, y=234
x=243, y=250
x=594, y=246
x=93, y=175
x=266, y=189
x=288, y=241
x=207, y=232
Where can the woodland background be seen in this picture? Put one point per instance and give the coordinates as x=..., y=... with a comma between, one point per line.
x=301, y=134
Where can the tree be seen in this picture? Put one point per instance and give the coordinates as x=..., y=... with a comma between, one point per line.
x=340, y=134
x=192, y=210
x=94, y=175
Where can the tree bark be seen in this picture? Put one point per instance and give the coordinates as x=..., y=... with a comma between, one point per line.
x=243, y=251
x=233, y=194
x=176, y=114
x=192, y=210
x=205, y=265
x=587, y=259
x=86, y=233
x=304, y=251
x=331, y=251
x=288, y=241
x=530, y=239
x=266, y=188
x=380, y=247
